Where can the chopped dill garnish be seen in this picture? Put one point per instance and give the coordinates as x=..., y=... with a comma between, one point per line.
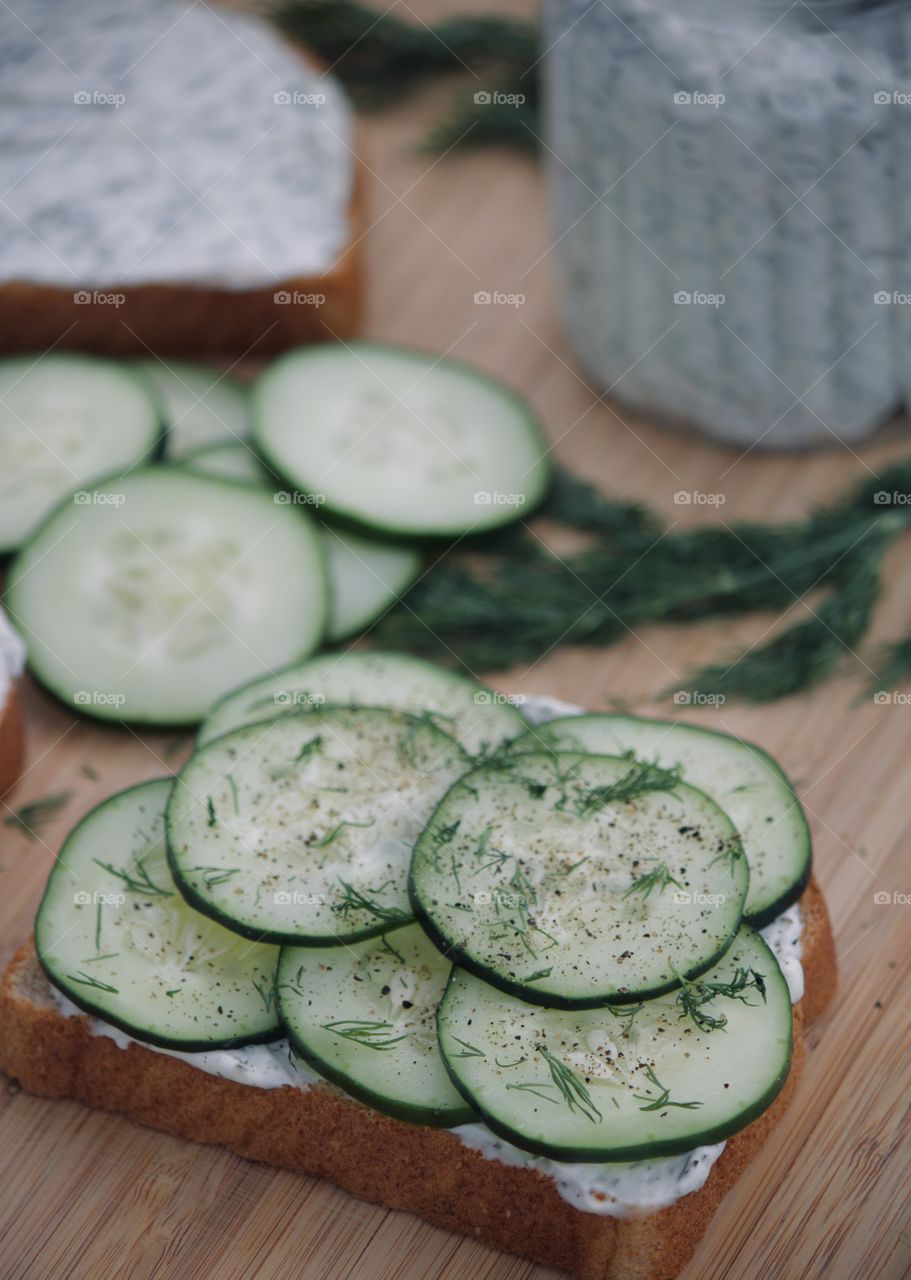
x=625, y=1013
x=336, y=831
x=309, y=749
x=141, y=883
x=210, y=806
x=572, y=1086
x=212, y=876
x=354, y=900
x=387, y=946
x=86, y=980
x=266, y=994
x=468, y=1050
x=371, y=1035
x=731, y=852
x=641, y=778
x=664, y=1097
x=658, y=878
x=539, y=975
x=695, y=994
x=536, y=1089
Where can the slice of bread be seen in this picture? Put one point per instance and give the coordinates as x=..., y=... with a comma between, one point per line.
x=184, y=183
x=190, y=320
x=427, y=1171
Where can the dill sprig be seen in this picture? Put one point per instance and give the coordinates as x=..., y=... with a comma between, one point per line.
x=382, y=58
x=353, y=899
x=510, y=599
x=141, y=883
x=641, y=779
x=894, y=664
x=212, y=876
x=331, y=836
x=468, y=1050
x=694, y=995
x=664, y=1097
x=86, y=980
x=572, y=1086
x=658, y=878
x=265, y=992
x=310, y=748
x=30, y=818
x=371, y=1035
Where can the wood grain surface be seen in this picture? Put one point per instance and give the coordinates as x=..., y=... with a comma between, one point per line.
x=86, y=1196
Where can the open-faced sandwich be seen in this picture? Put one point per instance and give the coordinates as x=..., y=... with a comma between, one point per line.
x=541, y=977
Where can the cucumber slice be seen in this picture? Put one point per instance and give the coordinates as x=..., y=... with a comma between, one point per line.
x=229, y=460
x=201, y=404
x=66, y=421
x=625, y=1083
x=751, y=788
x=574, y=880
x=364, y=1016
x=300, y=829
x=164, y=591
x=367, y=576
x=479, y=718
x=399, y=441
x=116, y=937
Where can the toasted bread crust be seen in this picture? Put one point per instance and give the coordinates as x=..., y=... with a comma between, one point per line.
x=10, y=739
x=427, y=1171
x=185, y=319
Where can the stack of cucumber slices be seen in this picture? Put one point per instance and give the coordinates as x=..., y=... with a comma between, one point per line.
x=451, y=916
x=196, y=535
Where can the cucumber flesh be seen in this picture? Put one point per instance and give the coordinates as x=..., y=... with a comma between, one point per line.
x=555, y=877
x=746, y=782
x=300, y=829
x=117, y=938
x=401, y=442
x=201, y=405
x=479, y=718
x=66, y=421
x=167, y=589
x=625, y=1083
x=366, y=576
x=364, y=1017
x=229, y=460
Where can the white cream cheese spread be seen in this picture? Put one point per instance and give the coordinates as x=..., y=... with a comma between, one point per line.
x=12, y=657
x=165, y=142
x=265, y=1066
x=613, y=1189
x=783, y=936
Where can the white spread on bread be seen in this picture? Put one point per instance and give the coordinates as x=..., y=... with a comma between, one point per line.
x=165, y=142
x=783, y=936
x=612, y=1190
x=12, y=657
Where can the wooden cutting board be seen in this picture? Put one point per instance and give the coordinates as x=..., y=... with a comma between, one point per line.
x=86, y=1196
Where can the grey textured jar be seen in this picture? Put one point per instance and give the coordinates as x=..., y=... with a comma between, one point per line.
x=732, y=186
